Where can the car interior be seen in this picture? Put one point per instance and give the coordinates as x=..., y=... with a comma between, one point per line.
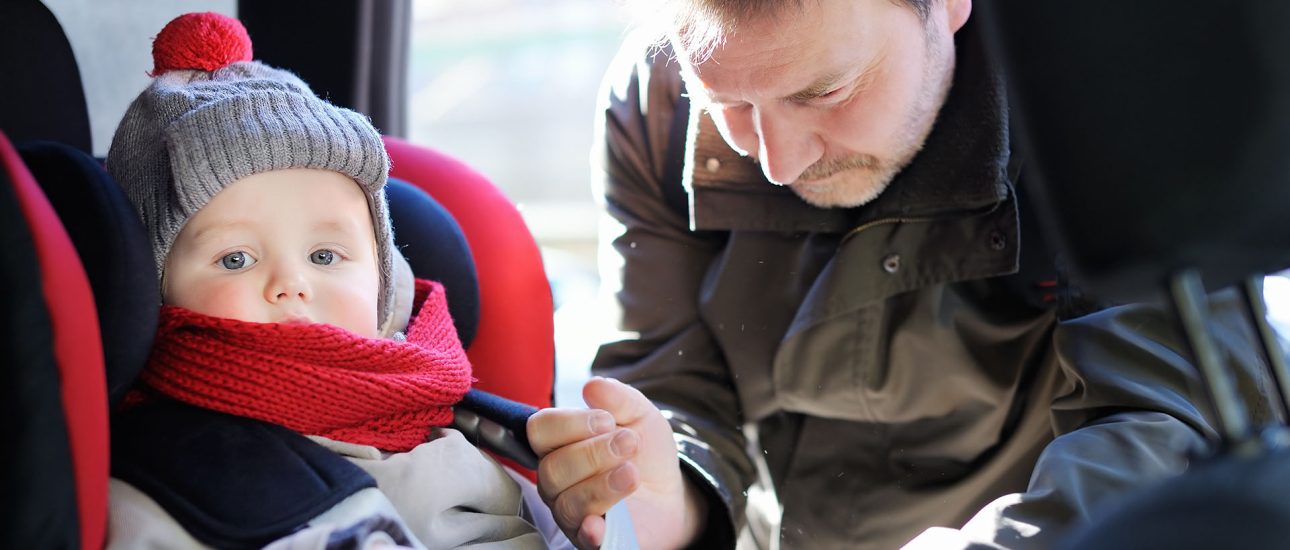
x=79, y=287
x=81, y=301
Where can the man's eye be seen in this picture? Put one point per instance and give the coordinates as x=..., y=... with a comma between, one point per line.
x=234, y=261
x=829, y=97
x=323, y=257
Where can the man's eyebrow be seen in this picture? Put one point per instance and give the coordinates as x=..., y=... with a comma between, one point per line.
x=821, y=86
x=704, y=96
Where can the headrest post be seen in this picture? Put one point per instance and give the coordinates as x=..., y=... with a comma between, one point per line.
x=1187, y=293
x=1275, y=356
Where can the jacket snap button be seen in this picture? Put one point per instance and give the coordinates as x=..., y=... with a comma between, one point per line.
x=712, y=165
x=997, y=241
x=891, y=264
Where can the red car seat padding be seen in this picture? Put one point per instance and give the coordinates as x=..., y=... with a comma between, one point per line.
x=76, y=346
x=513, y=352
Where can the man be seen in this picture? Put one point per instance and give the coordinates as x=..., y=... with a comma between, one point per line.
x=833, y=294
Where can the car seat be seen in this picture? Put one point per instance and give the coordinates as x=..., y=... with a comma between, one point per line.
x=55, y=422
x=71, y=357
x=427, y=235
x=1155, y=134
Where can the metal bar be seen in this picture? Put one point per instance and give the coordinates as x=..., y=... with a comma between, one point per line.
x=1191, y=303
x=1272, y=351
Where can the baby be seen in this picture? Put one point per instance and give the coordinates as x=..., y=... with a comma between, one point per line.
x=295, y=396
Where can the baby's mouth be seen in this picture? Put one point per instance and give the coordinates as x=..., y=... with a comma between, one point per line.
x=295, y=319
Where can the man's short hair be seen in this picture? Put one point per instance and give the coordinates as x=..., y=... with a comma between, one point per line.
x=702, y=25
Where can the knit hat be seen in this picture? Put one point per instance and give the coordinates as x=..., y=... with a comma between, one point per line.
x=212, y=117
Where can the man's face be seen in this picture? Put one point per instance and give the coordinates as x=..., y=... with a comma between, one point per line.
x=287, y=246
x=834, y=99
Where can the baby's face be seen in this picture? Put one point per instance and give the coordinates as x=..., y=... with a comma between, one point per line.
x=287, y=246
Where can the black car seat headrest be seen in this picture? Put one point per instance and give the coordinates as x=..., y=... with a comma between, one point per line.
x=113, y=247
x=435, y=247
x=42, y=97
x=1153, y=149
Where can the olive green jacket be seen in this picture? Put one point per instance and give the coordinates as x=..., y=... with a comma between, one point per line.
x=883, y=369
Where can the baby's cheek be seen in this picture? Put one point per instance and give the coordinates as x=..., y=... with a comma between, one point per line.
x=355, y=310
x=223, y=299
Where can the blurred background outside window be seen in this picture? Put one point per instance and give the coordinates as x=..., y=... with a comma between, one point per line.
x=509, y=87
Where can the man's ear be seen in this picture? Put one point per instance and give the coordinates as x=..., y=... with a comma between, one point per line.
x=957, y=12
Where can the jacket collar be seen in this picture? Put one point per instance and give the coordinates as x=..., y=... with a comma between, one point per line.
x=962, y=166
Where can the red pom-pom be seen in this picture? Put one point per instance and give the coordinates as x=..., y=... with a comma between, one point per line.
x=201, y=41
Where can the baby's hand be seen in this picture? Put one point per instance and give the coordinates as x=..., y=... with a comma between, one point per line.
x=592, y=458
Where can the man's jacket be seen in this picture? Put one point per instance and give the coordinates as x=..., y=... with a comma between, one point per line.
x=885, y=368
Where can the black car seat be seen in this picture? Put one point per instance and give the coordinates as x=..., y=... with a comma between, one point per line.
x=1156, y=133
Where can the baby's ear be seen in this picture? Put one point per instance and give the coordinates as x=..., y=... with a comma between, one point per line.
x=403, y=295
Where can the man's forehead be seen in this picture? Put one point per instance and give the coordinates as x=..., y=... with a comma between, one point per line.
x=724, y=82
x=782, y=57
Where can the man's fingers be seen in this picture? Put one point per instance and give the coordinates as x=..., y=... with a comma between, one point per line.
x=550, y=429
x=594, y=497
x=626, y=403
x=575, y=463
x=592, y=532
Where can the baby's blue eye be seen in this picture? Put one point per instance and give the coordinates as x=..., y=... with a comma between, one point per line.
x=234, y=261
x=323, y=257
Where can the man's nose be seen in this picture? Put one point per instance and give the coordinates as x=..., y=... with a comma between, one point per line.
x=287, y=282
x=786, y=147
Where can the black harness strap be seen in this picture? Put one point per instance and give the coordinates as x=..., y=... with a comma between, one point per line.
x=231, y=482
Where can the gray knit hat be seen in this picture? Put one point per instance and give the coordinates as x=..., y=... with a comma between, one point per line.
x=194, y=132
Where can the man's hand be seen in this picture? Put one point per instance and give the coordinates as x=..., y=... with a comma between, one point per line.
x=621, y=447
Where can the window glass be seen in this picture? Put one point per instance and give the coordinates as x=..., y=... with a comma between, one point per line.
x=509, y=87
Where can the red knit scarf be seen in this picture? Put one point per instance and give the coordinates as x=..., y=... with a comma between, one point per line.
x=317, y=379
